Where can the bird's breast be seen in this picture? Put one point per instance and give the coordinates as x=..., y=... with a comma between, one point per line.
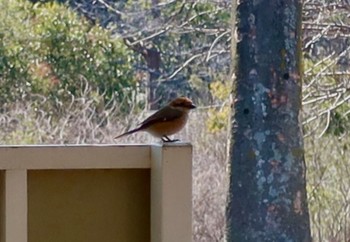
x=171, y=127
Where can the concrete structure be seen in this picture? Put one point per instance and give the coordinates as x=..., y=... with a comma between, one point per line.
x=90, y=193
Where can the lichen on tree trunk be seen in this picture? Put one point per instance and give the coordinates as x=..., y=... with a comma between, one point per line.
x=267, y=200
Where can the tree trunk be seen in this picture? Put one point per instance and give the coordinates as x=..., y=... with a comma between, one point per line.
x=267, y=194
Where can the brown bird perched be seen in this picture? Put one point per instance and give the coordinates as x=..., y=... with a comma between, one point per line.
x=166, y=121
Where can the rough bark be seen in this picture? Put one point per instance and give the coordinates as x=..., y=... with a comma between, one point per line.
x=267, y=200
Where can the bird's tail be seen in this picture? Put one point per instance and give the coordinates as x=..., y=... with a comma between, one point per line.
x=127, y=133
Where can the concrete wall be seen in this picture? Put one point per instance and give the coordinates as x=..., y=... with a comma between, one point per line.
x=109, y=193
x=89, y=205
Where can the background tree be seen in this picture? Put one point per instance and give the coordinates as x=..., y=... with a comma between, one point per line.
x=180, y=46
x=267, y=194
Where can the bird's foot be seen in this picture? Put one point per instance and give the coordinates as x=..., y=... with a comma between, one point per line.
x=166, y=139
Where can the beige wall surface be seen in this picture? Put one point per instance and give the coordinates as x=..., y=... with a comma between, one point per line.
x=88, y=205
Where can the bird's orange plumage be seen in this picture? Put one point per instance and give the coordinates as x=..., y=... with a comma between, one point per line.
x=167, y=121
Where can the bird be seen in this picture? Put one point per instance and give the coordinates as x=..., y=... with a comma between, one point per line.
x=166, y=121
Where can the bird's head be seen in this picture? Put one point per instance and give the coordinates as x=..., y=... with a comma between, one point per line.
x=182, y=103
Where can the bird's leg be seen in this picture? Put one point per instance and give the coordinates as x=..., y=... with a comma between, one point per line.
x=167, y=139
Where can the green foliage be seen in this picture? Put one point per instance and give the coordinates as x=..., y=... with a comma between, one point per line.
x=339, y=122
x=315, y=68
x=218, y=118
x=48, y=49
x=326, y=89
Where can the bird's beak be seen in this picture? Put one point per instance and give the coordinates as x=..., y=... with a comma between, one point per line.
x=192, y=106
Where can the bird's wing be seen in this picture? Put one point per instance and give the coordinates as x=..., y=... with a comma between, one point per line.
x=165, y=114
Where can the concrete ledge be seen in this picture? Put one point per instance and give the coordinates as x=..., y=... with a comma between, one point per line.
x=41, y=157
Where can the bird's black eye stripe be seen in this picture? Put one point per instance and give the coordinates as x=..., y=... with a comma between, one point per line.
x=179, y=105
x=183, y=105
